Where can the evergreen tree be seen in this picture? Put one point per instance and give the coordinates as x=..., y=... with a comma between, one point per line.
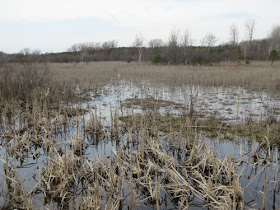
x=273, y=56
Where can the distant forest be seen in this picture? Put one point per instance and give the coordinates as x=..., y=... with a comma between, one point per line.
x=178, y=49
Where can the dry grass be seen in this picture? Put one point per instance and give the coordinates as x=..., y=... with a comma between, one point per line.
x=130, y=177
x=152, y=160
x=258, y=75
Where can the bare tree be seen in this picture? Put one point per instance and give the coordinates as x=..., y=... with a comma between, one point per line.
x=108, y=47
x=36, y=52
x=173, y=46
x=234, y=35
x=186, y=38
x=25, y=51
x=109, y=44
x=186, y=45
x=156, y=43
x=2, y=58
x=139, y=45
x=156, y=46
x=209, y=41
x=250, y=29
x=28, y=55
x=79, y=48
x=84, y=49
x=274, y=38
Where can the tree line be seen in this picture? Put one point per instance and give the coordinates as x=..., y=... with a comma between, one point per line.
x=178, y=49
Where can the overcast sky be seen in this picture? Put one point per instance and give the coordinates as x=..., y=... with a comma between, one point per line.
x=55, y=25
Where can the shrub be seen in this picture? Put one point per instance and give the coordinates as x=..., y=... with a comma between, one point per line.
x=239, y=54
x=247, y=62
x=273, y=56
x=157, y=59
x=194, y=62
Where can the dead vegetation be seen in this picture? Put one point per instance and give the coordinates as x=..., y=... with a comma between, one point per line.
x=77, y=157
x=258, y=75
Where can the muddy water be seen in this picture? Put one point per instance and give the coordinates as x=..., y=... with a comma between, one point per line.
x=233, y=105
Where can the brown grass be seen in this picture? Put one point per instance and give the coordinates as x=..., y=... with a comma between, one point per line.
x=152, y=155
x=258, y=75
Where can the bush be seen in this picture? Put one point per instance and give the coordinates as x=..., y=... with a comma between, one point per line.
x=157, y=59
x=273, y=56
x=194, y=62
x=239, y=54
x=247, y=62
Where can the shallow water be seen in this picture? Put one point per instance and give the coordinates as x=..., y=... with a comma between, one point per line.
x=233, y=105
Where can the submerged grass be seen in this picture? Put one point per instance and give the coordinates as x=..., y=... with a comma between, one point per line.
x=212, y=127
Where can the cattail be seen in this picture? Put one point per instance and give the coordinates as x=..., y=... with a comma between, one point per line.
x=157, y=191
x=132, y=195
x=265, y=188
x=275, y=180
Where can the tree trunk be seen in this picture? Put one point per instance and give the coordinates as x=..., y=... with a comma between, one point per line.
x=140, y=55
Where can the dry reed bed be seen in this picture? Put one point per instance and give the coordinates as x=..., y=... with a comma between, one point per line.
x=145, y=169
x=259, y=75
x=139, y=169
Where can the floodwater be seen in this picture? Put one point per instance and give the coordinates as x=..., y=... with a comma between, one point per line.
x=232, y=105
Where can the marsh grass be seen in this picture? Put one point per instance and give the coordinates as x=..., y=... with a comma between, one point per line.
x=258, y=75
x=213, y=128
x=154, y=160
x=67, y=172
x=150, y=103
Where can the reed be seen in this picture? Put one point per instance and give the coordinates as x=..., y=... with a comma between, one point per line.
x=135, y=158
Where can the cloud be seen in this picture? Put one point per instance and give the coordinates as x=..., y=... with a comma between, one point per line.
x=152, y=18
x=129, y=11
